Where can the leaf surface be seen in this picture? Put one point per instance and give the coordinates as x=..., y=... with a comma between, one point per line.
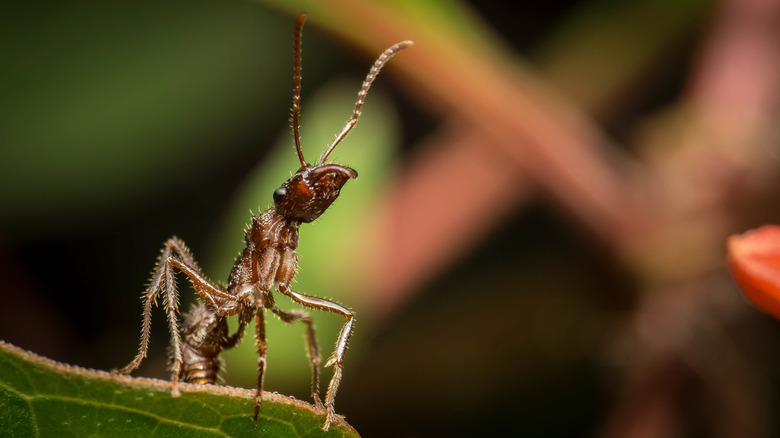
x=41, y=397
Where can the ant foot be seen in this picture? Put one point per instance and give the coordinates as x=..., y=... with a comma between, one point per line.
x=332, y=417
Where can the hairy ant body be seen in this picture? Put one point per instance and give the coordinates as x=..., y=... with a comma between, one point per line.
x=268, y=262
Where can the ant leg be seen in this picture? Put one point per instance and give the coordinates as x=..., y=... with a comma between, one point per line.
x=243, y=317
x=261, y=351
x=337, y=358
x=172, y=245
x=221, y=301
x=174, y=253
x=311, y=344
x=236, y=337
x=171, y=300
x=202, y=285
x=150, y=297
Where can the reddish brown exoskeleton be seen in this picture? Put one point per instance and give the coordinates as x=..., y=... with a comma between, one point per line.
x=268, y=262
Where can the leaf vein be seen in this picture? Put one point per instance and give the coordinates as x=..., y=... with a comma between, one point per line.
x=129, y=409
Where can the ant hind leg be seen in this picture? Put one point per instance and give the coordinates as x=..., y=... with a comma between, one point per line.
x=174, y=254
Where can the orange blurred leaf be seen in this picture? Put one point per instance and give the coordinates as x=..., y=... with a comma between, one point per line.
x=754, y=261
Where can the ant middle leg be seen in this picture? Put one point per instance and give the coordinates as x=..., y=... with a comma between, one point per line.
x=236, y=337
x=261, y=353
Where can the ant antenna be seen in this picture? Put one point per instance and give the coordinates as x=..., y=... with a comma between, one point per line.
x=296, y=108
x=372, y=74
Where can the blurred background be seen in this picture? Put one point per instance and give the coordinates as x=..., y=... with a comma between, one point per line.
x=536, y=241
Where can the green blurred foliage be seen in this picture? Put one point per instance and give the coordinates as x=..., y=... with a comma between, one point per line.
x=104, y=104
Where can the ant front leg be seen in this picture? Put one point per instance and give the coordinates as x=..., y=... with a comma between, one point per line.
x=311, y=344
x=337, y=358
x=174, y=254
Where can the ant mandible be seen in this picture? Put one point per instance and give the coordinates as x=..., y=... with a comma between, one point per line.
x=268, y=262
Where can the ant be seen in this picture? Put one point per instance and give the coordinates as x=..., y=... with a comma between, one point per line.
x=268, y=262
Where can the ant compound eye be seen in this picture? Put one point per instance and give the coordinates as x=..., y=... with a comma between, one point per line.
x=279, y=194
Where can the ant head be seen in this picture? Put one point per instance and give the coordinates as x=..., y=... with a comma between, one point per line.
x=308, y=193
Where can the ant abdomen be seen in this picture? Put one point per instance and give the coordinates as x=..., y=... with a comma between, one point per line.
x=201, y=372
x=205, y=336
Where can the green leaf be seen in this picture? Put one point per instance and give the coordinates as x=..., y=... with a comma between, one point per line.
x=42, y=397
